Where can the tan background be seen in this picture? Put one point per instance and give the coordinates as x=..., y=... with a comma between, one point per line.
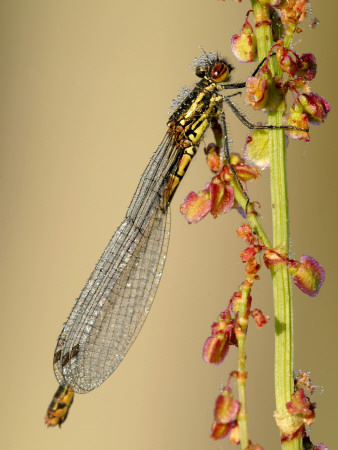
x=85, y=90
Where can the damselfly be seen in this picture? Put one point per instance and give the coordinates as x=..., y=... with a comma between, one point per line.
x=116, y=299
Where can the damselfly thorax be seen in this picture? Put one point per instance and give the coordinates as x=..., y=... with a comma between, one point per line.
x=191, y=119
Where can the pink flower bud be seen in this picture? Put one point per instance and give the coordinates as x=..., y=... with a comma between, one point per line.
x=222, y=197
x=213, y=158
x=246, y=173
x=196, y=206
x=303, y=67
x=249, y=253
x=298, y=119
x=245, y=232
x=226, y=175
x=293, y=11
x=216, y=348
x=265, y=92
x=309, y=275
x=315, y=106
x=244, y=45
x=273, y=259
x=220, y=430
x=287, y=62
x=259, y=317
x=226, y=408
x=307, y=66
x=301, y=405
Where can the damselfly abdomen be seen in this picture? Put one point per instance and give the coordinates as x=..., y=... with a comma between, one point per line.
x=59, y=407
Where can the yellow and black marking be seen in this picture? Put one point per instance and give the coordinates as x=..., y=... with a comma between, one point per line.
x=59, y=407
x=189, y=122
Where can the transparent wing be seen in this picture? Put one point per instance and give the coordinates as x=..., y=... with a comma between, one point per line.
x=113, y=305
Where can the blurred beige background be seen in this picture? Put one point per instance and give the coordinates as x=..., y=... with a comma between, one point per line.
x=85, y=92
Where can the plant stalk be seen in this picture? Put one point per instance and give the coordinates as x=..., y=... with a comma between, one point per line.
x=284, y=351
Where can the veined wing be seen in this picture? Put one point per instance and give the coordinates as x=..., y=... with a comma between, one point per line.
x=116, y=299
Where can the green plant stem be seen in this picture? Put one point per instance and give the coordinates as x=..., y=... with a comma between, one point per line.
x=251, y=214
x=241, y=367
x=280, y=277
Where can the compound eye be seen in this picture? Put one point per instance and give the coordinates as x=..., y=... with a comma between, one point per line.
x=200, y=71
x=219, y=72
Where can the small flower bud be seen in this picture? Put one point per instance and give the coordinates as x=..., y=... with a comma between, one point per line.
x=244, y=45
x=235, y=434
x=303, y=67
x=226, y=408
x=259, y=317
x=315, y=106
x=196, y=206
x=252, y=268
x=299, y=119
x=309, y=275
x=307, y=66
x=272, y=259
x=288, y=61
x=245, y=232
x=235, y=159
x=297, y=85
x=226, y=175
x=265, y=92
x=216, y=348
x=222, y=197
x=220, y=430
x=213, y=158
x=293, y=11
x=246, y=173
x=249, y=253
x=301, y=405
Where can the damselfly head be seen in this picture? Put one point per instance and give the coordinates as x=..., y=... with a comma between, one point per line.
x=211, y=66
x=220, y=72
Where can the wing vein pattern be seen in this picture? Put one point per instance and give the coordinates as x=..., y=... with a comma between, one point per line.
x=114, y=303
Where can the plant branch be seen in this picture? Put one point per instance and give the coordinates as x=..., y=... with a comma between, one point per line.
x=280, y=218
